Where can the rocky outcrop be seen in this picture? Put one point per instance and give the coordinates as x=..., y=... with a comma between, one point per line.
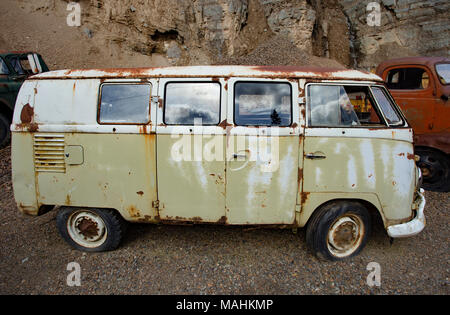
x=407, y=28
x=214, y=31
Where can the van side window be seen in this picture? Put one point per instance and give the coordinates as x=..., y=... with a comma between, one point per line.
x=189, y=101
x=125, y=103
x=341, y=106
x=407, y=79
x=386, y=106
x=262, y=104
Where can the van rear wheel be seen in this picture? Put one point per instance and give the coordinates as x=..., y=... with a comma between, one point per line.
x=338, y=230
x=91, y=229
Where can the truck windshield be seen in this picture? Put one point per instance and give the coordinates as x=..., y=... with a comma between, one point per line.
x=15, y=63
x=443, y=71
x=3, y=67
x=387, y=107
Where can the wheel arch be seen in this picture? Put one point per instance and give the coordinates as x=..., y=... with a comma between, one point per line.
x=369, y=201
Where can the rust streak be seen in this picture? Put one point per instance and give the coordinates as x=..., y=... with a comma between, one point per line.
x=305, y=196
x=410, y=156
x=224, y=124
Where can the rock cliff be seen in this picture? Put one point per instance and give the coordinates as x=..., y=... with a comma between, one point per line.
x=181, y=32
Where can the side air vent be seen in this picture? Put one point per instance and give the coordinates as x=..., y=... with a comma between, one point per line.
x=49, y=153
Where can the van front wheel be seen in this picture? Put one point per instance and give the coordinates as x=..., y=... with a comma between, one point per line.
x=338, y=230
x=91, y=229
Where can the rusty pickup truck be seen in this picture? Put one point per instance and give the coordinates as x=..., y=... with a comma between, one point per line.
x=421, y=87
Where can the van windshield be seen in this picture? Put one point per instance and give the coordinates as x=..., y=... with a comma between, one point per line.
x=443, y=71
x=387, y=107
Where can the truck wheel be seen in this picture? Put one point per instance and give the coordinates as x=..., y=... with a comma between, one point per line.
x=91, y=229
x=338, y=230
x=435, y=167
x=5, y=133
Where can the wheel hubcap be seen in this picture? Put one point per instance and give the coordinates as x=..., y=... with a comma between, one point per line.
x=345, y=235
x=87, y=228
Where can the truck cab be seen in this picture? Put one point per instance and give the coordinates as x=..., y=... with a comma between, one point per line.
x=15, y=67
x=421, y=87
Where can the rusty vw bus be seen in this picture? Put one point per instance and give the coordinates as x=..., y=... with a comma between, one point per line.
x=232, y=145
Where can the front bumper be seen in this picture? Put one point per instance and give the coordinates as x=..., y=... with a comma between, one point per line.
x=413, y=227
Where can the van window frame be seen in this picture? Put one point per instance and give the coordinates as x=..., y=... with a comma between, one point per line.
x=394, y=105
x=99, y=103
x=195, y=81
x=274, y=81
x=376, y=106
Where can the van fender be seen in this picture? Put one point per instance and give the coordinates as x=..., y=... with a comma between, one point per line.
x=312, y=201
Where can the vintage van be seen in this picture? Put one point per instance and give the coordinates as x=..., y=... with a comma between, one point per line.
x=233, y=145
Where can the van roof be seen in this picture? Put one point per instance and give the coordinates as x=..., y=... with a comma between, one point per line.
x=213, y=71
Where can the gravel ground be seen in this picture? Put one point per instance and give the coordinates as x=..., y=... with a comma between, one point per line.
x=207, y=259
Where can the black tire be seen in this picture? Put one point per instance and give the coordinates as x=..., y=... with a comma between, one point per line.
x=5, y=133
x=91, y=229
x=435, y=167
x=338, y=230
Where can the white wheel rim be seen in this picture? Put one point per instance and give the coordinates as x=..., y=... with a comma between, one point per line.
x=345, y=235
x=87, y=228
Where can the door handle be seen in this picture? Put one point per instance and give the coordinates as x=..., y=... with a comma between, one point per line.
x=315, y=156
x=239, y=156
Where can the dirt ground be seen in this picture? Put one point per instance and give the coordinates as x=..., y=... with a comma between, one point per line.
x=206, y=259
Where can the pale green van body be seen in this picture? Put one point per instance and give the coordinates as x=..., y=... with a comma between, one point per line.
x=63, y=156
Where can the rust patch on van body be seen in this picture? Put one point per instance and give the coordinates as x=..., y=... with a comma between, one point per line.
x=305, y=196
x=222, y=220
x=133, y=211
x=27, y=114
x=224, y=124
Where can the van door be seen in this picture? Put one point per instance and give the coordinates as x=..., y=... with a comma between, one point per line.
x=262, y=151
x=190, y=150
x=356, y=147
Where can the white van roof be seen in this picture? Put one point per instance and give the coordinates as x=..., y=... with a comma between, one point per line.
x=213, y=71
